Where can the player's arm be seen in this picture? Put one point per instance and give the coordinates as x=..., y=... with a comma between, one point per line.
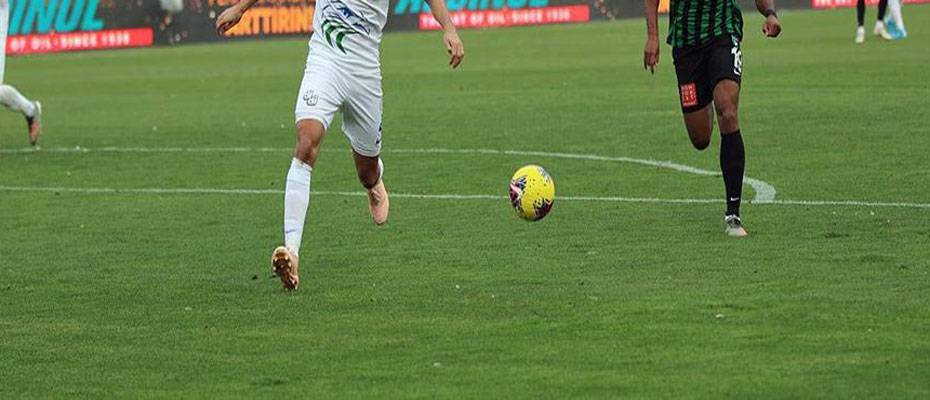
x=651, y=53
x=449, y=36
x=231, y=16
x=771, y=27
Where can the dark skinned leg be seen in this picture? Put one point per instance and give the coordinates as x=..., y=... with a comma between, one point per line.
x=368, y=170
x=726, y=103
x=700, y=125
x=369, y=174
x=310, y=134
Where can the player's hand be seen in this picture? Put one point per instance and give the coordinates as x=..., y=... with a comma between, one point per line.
x=771, y=27
x=651, y=54
x=455, y=48
x=228, y=19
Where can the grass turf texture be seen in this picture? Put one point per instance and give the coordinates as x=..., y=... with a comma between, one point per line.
x=132, y=295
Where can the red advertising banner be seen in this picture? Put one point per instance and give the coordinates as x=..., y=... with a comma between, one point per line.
x=77, y=41
x=512, y=17
x=821, y=4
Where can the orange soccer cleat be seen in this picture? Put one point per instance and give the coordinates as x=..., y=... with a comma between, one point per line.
x=284, y=265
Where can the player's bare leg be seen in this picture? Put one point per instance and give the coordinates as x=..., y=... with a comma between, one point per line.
x=370, y=172
x=700, y=125
x=310, y=134
x=726, y=104
x=285, y=259
x=732, y=153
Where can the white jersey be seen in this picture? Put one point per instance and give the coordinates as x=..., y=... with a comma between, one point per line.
x=347, y=33
x=344, y=70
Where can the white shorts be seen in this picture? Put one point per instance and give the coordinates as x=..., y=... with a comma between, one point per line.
x=326, y=89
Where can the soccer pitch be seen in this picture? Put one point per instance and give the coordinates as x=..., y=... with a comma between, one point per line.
x=134, y=247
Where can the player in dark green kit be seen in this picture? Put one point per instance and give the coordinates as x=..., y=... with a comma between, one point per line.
x=705, y=38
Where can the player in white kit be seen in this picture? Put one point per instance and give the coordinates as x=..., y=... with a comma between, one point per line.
x=9, y=96
x=343, y=73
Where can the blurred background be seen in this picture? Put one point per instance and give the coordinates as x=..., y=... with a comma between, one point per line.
x=44, y=26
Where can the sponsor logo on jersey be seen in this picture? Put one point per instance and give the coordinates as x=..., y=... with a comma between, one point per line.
x=340, y=21
x=311, y=98
x=689, y=96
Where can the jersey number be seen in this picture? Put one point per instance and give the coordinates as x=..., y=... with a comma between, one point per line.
x=737, y=60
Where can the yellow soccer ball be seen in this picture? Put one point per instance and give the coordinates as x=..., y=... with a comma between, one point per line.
x=532, y=192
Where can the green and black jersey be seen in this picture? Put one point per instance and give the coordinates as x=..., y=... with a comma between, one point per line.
x=696, y=22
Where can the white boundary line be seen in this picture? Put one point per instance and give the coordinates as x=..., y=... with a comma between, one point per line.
x=84, y=150
x=610, y=199
x=848, y=203
x=765, y=192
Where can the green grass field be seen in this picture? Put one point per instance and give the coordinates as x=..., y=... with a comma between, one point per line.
x=168, y=294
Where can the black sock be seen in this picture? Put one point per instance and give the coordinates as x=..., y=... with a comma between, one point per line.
x=732, y=164
x=860, y=12
x=882, y=6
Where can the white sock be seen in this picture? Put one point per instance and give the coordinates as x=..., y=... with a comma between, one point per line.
x=894, y=7
x=296, y=202
x=14, y=100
